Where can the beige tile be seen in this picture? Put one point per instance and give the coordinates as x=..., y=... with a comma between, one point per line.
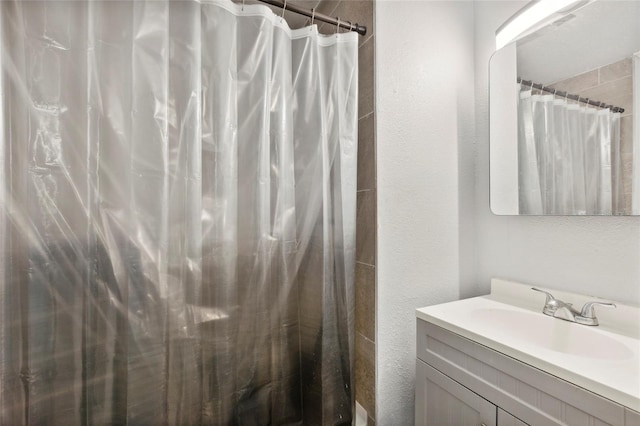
x=356, y=11
x=365, y=373
x=366, y=300
x=366, y=153
x=295, y=20
x=327, y=29
x=575, y=85
x=366, y=227
x=616, y=70
x=626, y=135
x=627, y=171
x=627, y=161
x=327, y=7
x=619, y=205
x=626, y=102
x=614, y=92
x=366, y=78
x=305, y=4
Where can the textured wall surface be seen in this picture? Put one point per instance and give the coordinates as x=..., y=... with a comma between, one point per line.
x=437, y=239
x=424, y=106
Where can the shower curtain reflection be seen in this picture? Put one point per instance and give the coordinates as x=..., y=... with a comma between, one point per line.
x=178, y=215
x=568, y=158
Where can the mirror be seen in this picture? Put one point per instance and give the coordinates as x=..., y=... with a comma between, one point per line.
x=565, y=115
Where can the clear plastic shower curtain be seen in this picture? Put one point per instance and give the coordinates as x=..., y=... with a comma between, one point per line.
x=568, y=158
x=178, y=215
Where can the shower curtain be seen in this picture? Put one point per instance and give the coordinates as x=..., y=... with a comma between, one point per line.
x=177, y=215
x=568, y=158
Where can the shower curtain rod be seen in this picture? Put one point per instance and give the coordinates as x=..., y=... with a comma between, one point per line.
x=569, y=96
x=360, y=29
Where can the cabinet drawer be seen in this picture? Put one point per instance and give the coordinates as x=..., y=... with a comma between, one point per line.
x=530, y=394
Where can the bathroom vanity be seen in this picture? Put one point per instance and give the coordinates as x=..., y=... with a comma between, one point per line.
x=497, y=360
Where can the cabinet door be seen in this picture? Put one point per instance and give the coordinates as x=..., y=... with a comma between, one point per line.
x=506, y=419
x=441, y=401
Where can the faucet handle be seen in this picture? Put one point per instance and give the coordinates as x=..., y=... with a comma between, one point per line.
x=550, y=297
x=551, y=304
x=587, y=309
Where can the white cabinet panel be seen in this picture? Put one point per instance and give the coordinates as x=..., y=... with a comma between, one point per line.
x=460, y=382
x=506, y=419
x=442, y=402
x=532, y=395
x=631, y=418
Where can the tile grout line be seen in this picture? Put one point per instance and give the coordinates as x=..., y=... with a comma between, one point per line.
x=369, y=37
x=367, y=115
x=366, y=338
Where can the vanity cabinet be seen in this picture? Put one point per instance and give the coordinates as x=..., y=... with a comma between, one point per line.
x=440, y=401
x=506, y=419
x=461, y=382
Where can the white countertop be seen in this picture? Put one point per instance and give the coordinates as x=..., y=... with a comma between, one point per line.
x=603, y=359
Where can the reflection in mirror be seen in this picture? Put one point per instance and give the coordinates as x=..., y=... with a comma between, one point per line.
x=562, y=115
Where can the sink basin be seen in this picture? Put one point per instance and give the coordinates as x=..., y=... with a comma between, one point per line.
x=552, y=334
x=604, y=359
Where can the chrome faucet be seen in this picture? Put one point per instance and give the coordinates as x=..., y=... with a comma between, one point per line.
x=558, y=309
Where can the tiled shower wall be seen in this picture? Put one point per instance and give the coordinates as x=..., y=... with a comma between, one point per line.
x=612, y=84
x=361, y=12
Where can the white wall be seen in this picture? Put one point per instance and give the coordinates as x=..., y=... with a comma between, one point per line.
x=437, y=240
x=592, y=255
x=424, y=80
x=503, y=155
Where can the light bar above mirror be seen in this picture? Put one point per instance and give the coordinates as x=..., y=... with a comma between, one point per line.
x=533, y=15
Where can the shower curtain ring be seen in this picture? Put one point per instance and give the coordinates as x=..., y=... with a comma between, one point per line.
x=313, y=15
x=242, y=6
x=338, y=26
x=284, y=8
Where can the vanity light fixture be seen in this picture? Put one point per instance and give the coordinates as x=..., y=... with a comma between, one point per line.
x=527, y=17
